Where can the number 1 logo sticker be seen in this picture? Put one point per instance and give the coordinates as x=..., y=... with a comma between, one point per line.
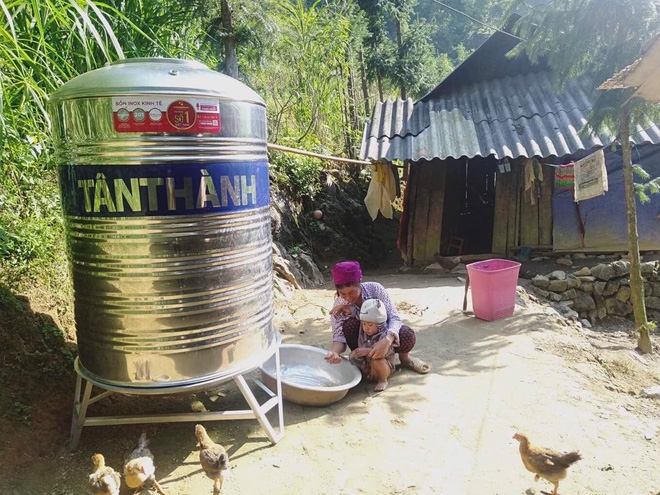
x=181, y=115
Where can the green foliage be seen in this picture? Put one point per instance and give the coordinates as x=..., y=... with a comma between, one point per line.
x=19, y=412
x=417, y=67
x=30, y=225
x=300, y=175
x=595, y=37
x=649, y=186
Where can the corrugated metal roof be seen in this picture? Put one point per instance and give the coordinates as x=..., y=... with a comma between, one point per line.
x=509, y=117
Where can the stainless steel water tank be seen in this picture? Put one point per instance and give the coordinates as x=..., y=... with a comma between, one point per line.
x=164, y=183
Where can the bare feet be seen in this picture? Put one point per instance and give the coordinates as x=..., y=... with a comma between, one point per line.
x=380, y=386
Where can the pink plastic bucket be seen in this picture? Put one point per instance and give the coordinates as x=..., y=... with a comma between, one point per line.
x=493, y=285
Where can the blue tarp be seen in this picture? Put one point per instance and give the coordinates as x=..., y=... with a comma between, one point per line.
x=604, y=217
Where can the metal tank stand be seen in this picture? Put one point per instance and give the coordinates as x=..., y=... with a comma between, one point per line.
x=83, y=399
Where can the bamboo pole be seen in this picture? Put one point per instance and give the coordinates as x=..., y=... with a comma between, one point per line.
x=636, y=281
x=316, y=155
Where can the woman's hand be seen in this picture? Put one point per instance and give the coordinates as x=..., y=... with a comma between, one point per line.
x=332, y=357
x=379, y=351
x=341, y=309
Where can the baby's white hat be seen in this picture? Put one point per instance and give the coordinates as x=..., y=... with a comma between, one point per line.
x=373, y=310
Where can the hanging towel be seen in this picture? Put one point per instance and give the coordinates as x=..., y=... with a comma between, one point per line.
x=533, y=179
x=564, y=176
x=381, y=192
x=590, y=176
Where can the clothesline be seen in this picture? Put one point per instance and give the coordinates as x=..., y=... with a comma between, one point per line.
x=634, y=147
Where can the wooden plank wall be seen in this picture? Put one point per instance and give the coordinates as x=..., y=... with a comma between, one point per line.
x=427, y=202
x=518, y=222
x=503, y=197
x=545, y=206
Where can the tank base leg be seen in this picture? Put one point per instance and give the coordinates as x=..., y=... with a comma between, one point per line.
x=83, y=399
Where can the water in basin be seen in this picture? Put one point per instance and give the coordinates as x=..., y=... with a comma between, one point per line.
x=307, y=376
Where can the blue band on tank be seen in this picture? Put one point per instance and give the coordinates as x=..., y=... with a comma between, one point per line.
x=163, y=190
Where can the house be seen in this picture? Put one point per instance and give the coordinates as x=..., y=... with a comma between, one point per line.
x=467, y=144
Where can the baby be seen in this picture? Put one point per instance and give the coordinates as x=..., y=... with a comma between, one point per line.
x=373, y=328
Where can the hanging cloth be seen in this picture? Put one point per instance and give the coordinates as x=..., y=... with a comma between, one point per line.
x=590, y=177
x=402, y=237
x=565, y=176
x=533, y=179
x=381, y=192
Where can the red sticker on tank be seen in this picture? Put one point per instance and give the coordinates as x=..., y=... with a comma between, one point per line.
x=150, y=113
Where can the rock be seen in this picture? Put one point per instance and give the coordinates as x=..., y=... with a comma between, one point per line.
x=286, y=269
x=616, y=307
x=584, y=302
x=653, y=392
x=601, y=257
x=553, y=296
x=620, y=268
x=557, y=285
x=569, y=294
x=585, y=323
x=573, y=282
x=572, y=315
x=599, y=287
x=602, y=312
x=538, y=258
x=197, y=406
x=610, y=289
x=579, y=256
x=586, y=278
x=557, y=275
x=587, y=287
x=623, y=294
x=541, y=281
x=405, y=268
x=600, y=300
x=648, y=267
x=283, y=288
x=652, y=302
x=602, y=272
x=655, y=289
x=540, y=292
x=564, y=261
x=583, y=272
x=312, y=276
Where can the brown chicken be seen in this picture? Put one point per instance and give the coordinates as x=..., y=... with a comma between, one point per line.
x=545, y=463
x=104, y=480
x=448, y=263
x=139, y=469
x=213, y=458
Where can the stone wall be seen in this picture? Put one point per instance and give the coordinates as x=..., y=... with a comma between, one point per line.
x=594, y=293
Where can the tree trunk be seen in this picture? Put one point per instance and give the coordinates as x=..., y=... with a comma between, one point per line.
x=379, y=82
x=229, y=40
x=636, y=281
x=365, y=85
x=352, y=97
x=346, y=118
x=399, y=43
